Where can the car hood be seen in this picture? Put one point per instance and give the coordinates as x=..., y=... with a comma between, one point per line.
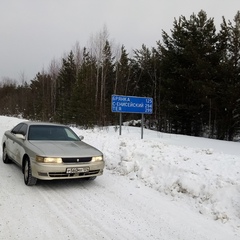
x=65, y=149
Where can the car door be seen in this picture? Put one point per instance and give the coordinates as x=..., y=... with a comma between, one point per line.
x=11, y=139
x=18, y=144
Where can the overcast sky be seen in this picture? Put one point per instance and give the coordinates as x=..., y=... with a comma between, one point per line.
x=34, y=32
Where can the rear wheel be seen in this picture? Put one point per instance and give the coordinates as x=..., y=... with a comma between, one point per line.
x=5, y=157
x=28, y=178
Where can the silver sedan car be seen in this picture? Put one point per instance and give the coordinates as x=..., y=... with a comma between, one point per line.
x=50, y=151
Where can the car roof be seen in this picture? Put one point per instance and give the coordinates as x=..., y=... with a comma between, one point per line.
x=29, y=123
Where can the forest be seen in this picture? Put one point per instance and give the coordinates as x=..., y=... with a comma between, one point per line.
x=192, y=74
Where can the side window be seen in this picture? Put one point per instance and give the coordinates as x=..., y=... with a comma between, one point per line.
x=23, y=130
x=17, y=128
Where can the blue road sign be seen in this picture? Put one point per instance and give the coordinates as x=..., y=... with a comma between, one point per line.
x=129, y=104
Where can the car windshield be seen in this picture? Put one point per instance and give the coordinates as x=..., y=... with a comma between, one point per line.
x=51, y=133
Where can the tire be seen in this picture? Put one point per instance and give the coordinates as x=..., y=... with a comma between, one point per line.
x=5, y=157
x=27, y=171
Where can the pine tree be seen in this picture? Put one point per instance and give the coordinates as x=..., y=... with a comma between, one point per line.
x=83, y=93
x=41, y=97
x=147, y=79
x=65, y=84
x=106, y=84
x=122, y=77
x=188, y=66
x=228, y=88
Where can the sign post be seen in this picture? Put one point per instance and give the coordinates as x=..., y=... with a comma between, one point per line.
x=130, y=104
x=120, y=126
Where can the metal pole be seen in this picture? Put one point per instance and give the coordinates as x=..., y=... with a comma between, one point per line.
x=142, y=127
x=120, y=124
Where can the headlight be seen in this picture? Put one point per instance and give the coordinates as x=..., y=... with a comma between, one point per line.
x=48, y=159
x=96, y=159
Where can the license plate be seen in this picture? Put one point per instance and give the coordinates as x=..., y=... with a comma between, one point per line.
x=77, y=170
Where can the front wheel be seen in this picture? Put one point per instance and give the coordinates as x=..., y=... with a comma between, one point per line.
x=5, y=157
x=28, y=178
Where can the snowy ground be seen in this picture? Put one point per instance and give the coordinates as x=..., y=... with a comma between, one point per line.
x=164, y=187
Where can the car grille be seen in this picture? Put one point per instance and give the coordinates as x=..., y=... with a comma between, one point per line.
x=64, y=174
x=76, y=160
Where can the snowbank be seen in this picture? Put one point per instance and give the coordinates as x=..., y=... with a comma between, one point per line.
x=204, y=176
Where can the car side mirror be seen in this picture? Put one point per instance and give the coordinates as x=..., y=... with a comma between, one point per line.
x=81, y=137
x=20, y=136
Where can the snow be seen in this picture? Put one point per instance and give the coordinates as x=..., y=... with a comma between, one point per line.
x=163, y=186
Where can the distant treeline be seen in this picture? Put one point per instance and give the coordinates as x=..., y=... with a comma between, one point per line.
x=193, y=76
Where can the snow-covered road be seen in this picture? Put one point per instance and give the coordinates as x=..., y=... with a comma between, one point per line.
x=113, y=207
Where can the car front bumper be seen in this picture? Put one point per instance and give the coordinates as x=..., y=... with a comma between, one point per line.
x=46, y=171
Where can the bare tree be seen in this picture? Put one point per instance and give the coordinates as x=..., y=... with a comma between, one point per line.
x=97, y=43
x=54, y=68
x=78, y=55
